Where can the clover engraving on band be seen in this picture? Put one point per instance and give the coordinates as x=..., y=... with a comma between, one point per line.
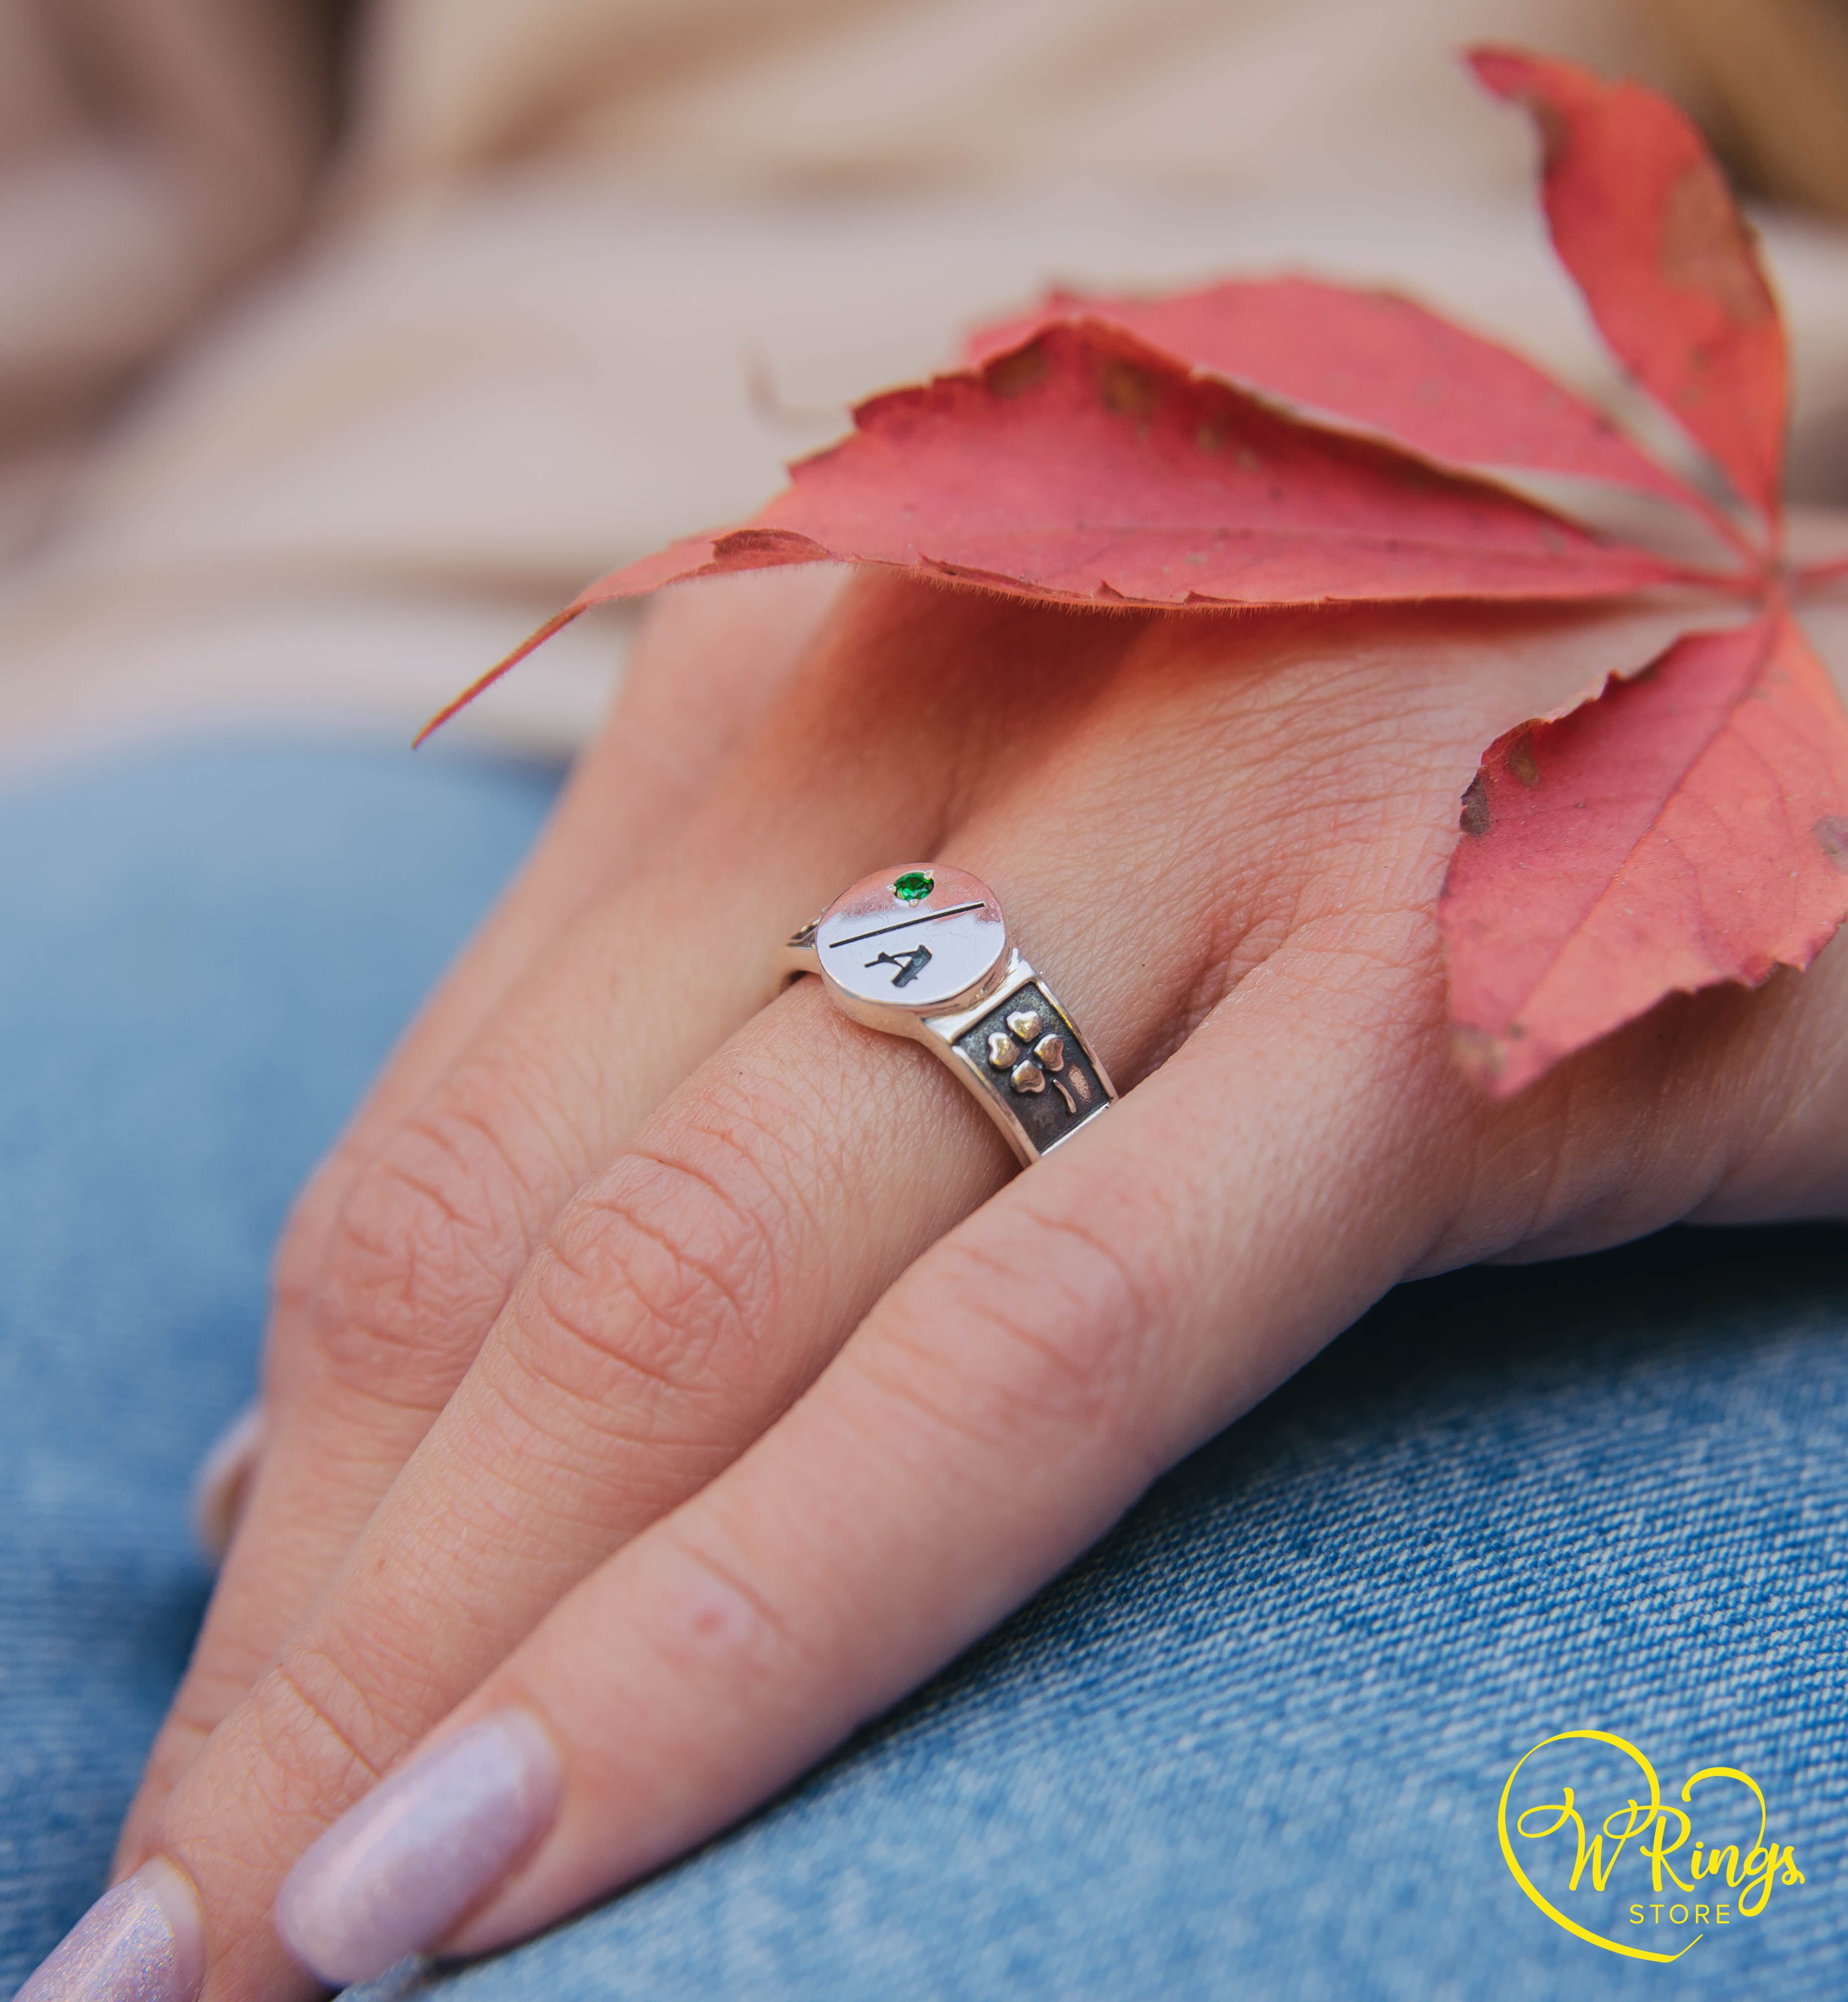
x=1031, y=1056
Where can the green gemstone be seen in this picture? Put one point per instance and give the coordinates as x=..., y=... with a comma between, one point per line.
x=913, y=886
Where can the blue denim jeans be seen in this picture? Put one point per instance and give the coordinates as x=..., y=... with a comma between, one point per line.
x=1254, y=1744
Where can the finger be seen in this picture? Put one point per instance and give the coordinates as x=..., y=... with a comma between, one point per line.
x=431, y=1231
x=702, y=676
x=996, y=1412
x=705, y=667
x=538, y=1466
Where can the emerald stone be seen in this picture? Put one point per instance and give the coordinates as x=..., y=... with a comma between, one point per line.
x=913, y=886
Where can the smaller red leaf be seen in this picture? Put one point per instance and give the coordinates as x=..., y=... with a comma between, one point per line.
x=1375, y=361
x=1643, y=219
x=1089, y=468
x=1688, y=826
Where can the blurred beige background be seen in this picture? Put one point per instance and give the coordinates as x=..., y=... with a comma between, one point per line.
x=339, y=344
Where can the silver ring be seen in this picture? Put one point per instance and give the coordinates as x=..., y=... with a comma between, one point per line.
x=924, y=952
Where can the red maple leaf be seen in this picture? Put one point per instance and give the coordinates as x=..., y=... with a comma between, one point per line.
x=1686, y=827
x=1288, y=441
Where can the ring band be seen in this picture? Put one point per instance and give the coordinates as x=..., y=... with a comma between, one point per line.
x=924, y=952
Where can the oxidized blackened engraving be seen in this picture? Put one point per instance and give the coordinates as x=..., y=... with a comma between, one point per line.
x=910, y=965
x=1031, y=1052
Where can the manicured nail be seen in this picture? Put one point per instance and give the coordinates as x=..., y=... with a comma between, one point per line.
x=222, y=1483
x=393, y=1875
x=137, y=1942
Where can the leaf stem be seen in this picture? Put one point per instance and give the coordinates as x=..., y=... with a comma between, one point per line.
x=555, y=623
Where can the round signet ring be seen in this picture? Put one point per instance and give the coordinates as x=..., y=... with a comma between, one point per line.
x=924, y=952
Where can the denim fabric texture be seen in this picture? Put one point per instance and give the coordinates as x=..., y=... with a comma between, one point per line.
x=1251, y=1746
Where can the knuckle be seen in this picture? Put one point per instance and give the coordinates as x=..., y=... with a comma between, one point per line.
x=420, y=1256
x=201, y=1704
x=302, y=1249
x=1050, y=1331
x=655, y=1286
x=313, y=1745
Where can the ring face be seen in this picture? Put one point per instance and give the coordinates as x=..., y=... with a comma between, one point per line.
x=923, y=952
x=925, y=940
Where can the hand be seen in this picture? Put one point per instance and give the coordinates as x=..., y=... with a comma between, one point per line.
x=665, y=1384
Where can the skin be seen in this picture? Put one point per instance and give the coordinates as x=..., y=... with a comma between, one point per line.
x=692, y=1368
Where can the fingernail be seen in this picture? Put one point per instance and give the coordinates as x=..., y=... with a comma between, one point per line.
x=139, y=1943
x=394, y=1875
x=222, y=1483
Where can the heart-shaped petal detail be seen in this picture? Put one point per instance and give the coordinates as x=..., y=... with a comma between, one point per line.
x=1025, y=1024
x=1027, y=1076
x=1002, y=1051
x=1051, y=1051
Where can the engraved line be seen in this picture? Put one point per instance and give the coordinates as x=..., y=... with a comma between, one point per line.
x=925, y=917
